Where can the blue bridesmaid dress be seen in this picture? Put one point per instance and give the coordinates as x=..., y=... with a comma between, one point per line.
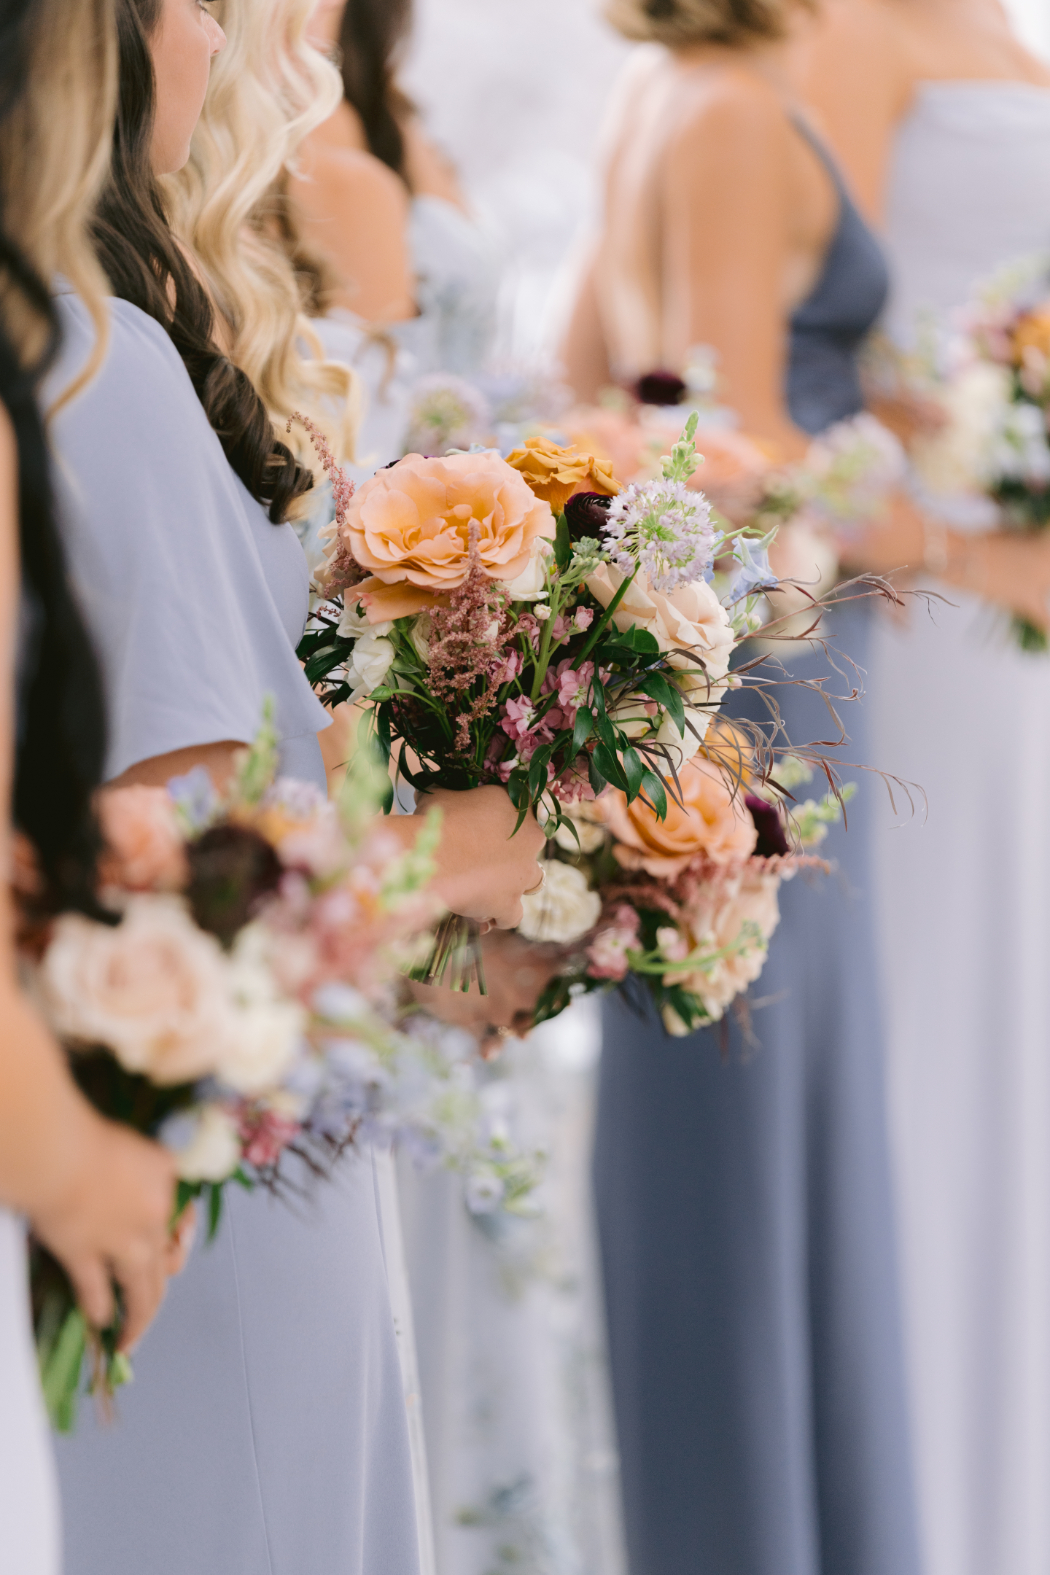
x=743, y=1187
x=265, y=1432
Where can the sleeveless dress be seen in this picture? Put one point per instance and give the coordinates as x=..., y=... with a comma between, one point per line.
x=30, y=1540
x=265, y=1431
x=743, y=1188
x=964, y=909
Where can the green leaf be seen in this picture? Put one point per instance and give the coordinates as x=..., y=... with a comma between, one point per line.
x=538, y=770
x=598, y=782
x=655, y=792
x=609, y=766
x=570, y=824
x=667, y=694
x=60, y=1376
x=605, y=730
x=518, y=789
x=582, y=729
x=634, y=770
x=214, y=1209
x=640, y=640
x=562, y=543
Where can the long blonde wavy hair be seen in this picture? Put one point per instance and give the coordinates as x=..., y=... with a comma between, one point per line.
x=269, y=89
x=55, y=150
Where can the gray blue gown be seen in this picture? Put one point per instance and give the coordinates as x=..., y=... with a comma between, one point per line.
x=743, y=1190
x=265, y=1431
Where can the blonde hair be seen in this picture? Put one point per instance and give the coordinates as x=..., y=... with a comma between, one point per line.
x=55, y=149
x=269, y=89
x=676, y=23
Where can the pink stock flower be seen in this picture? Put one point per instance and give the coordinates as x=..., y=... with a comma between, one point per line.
x=265, y=1135
x=144, y=850
x=518, y=718
x=572, y=685
x=607, y=954
x=583, y=617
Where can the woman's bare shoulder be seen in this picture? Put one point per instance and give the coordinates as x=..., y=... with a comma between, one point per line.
x=732, y=116
x=329, y=176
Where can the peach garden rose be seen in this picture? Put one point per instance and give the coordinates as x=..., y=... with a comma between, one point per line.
x=411, y=526
x=154, y=989
x=144, y=848
x=709, y=821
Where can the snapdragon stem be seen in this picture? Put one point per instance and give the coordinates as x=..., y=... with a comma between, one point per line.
x=543, y=658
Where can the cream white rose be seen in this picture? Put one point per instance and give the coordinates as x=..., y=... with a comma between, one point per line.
x=207, y=1150
x=531, y=583
x=563, y=909
x=371, y=661
x=265, y=1029
x=154, y=989
x=353, y=623
x=683, y=745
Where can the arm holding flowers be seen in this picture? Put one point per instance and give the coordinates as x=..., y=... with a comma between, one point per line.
x=99, y=1197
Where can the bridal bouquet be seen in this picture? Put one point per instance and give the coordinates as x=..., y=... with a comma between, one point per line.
x=686, y=904
x=241, y=1003
x=529, y=621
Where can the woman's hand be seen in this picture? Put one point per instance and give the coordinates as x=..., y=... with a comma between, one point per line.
x=484, y=866
x=108, y=1219
x=517, y=972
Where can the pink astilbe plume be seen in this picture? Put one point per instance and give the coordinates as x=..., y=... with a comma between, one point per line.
x=341, y=571
x=467, y=647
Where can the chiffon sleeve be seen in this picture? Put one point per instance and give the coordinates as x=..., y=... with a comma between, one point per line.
x=195, y=600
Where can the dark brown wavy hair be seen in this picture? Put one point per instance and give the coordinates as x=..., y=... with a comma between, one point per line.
x=60, y=732
x=371, y=36
x=146, y=266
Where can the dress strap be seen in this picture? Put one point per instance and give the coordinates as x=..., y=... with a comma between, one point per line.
x=820, y=148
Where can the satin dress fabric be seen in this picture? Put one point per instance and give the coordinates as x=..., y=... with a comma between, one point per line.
x=265, y=1431
x=742, y=1181
x=30, y=1532
x=964, y=904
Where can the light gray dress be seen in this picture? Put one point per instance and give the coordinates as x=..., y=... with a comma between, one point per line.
x=265, y=1432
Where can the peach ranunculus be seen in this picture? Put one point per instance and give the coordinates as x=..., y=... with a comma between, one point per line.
x=154, y=989
x=555, y=473
x=738, y=917
x=411, y=526
x=144, y=848
x=690, y=619
x=709, y=821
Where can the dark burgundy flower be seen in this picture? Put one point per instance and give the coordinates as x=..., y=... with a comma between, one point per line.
x=772, y=838
x=660, y=388
x=231, y=869
x=587, y=514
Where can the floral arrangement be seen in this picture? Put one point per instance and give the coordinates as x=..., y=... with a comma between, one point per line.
x=529, y=621
x=242, y=1003
x=684, y=905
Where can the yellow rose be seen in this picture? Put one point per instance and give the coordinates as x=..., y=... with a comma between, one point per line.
x=411, y=525
x=1032, y=333
x=711, y=820
x=555, y=473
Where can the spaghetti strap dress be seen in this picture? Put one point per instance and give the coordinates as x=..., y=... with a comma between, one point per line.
x=265, y=1431
x=743, y=1187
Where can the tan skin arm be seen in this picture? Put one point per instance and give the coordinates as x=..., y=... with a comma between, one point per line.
x=98, y=1195
x=726, y=244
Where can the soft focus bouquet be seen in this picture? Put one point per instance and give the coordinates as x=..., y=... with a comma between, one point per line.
x=240, y=1004
x=529, y=621
x=684, y=905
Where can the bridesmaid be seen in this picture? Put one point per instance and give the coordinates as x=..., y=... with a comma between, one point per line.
x=742, y=1188
x=97, y=1195
x=943, y=119
x=265, y=1432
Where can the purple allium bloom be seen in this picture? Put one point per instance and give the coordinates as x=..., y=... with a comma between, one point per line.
x=660, y=388
x=665, y=528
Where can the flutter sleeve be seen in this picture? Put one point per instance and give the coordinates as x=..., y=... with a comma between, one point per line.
x=195, y=600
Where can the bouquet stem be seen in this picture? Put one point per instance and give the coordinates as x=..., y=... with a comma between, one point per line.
x=456, y=952
x=63, y=1340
